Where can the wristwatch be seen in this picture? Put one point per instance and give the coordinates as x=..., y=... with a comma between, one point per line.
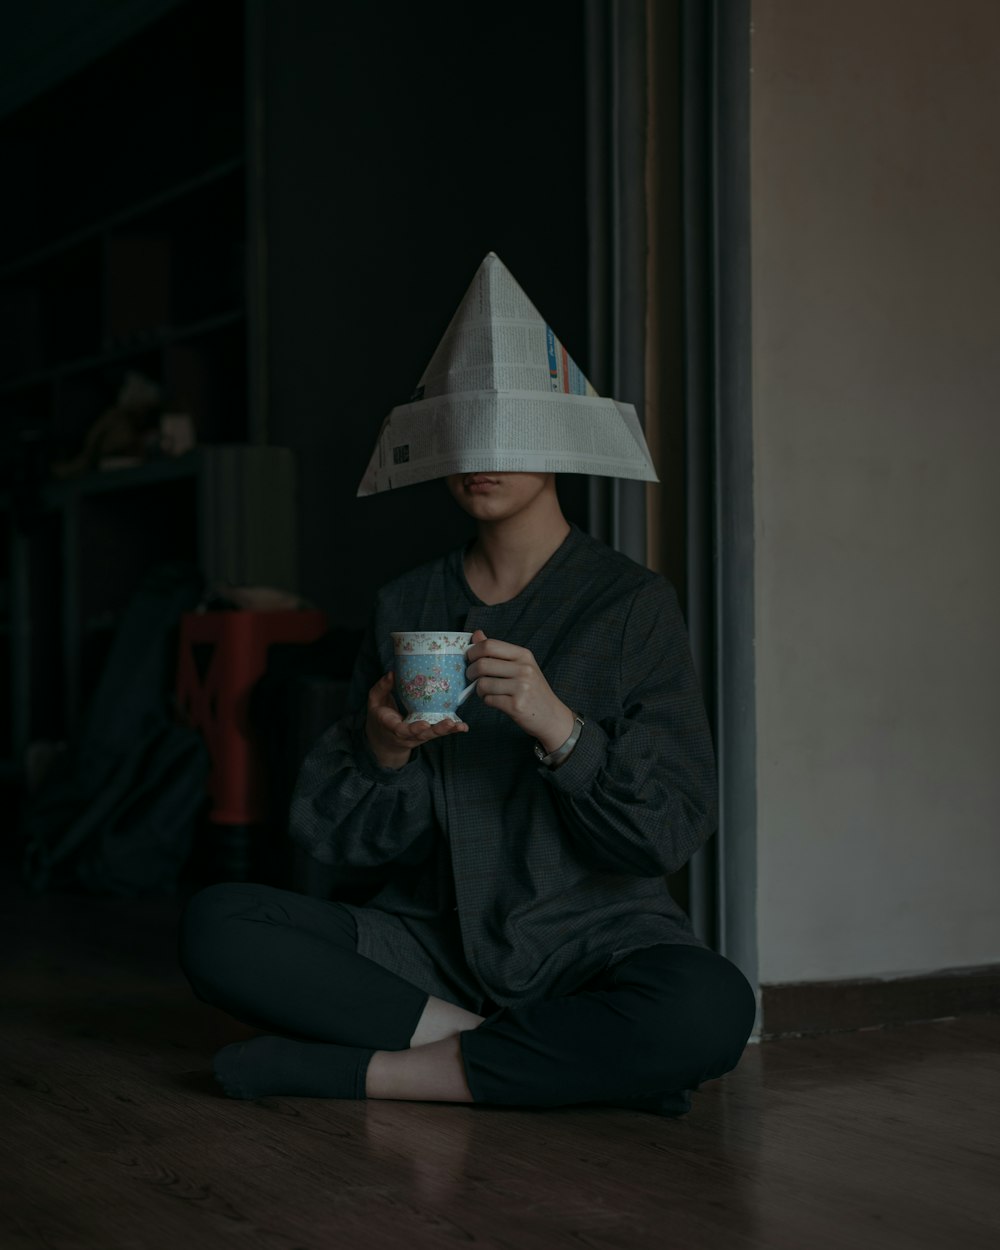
x=561, y=754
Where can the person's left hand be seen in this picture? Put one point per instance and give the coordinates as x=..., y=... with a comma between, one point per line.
x=510, y=680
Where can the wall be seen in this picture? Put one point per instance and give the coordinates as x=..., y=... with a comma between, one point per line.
x=876, y=272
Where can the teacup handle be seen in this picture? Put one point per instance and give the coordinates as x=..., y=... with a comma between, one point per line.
x=466, y=692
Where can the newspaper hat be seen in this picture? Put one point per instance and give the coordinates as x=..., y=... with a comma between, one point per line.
x=501, y=393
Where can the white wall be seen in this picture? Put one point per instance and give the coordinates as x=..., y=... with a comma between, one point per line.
x=876, y=324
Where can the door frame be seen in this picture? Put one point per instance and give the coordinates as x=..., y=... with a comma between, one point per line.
x=712, y=73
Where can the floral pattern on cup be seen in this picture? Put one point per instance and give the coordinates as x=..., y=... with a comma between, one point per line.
x=424, y=687
x=432, y=685
x=424, y=642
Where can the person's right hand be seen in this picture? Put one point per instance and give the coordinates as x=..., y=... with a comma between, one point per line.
x=390, y=738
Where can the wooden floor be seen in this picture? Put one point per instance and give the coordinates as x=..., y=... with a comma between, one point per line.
x=113, y=1137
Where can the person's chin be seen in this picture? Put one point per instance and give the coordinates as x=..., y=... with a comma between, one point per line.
x=480, y=493
x=484, y=508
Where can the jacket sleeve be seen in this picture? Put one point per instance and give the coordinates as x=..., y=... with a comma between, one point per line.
x=638, y=794
x=348, y=811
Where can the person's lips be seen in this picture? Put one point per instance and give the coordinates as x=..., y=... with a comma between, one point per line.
x=480, y=482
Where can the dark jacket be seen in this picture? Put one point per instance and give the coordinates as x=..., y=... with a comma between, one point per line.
x=511, y=880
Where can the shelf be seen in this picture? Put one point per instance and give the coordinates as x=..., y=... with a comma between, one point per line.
x=114, y=220
x=150, y=474
x=55, y=494
x=153, y=341
x=123, y=246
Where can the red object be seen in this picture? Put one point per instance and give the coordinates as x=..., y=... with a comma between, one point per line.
x=214, y=697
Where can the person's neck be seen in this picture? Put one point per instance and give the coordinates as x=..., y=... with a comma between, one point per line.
x=508, y=554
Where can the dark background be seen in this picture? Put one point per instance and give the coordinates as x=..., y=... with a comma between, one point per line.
x=271, y=210
x=378, y=153
x=403, y=142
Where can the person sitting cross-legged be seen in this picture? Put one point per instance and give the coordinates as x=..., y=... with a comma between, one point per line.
x=519, y=945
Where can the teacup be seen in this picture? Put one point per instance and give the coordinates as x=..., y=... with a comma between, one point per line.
x=430, y=674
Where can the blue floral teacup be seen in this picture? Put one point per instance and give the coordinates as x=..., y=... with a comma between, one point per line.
x=430, y=674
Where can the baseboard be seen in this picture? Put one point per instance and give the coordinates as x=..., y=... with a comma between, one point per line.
x=806, y=1007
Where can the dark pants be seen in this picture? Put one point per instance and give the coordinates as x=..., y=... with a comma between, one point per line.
x=654, y=1025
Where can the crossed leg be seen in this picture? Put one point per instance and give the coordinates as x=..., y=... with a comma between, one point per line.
x=283, y=961
x=640, y=1034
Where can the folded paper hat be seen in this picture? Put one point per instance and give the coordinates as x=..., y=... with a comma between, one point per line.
x=502, y=394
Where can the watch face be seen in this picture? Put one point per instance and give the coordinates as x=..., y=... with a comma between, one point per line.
x=539, y=753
